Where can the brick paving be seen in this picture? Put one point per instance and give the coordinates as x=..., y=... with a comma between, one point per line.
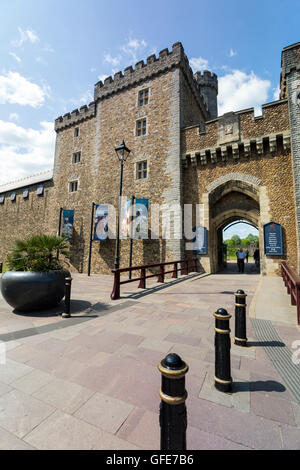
x=93, y=383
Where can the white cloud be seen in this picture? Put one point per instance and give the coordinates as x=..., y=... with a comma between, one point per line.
x=198, y=64
x=276, y=93
x=42, y=61
x=17, y=58
x=15, y=89
x=134, y=47
x=102, y=77
x=48, y=48
x=13, y=117
x=26, y=35
x=25, y=151
x=86, y=97
x=112, y=60
x=232, y=53
x=237, y=91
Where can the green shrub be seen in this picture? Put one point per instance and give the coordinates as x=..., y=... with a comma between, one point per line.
x=37, y=253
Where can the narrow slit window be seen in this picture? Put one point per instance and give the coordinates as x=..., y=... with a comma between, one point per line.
x=76, y=132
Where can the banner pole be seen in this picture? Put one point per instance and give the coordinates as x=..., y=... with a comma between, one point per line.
x=131, y=235
x=91, y=240
x=59, y=228
x=59, y=221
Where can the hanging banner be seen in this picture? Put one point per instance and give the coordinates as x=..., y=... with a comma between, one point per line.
x=67, y=224
x=200, y=240
x=138, y=229
x=273, y=239
x=101, y=223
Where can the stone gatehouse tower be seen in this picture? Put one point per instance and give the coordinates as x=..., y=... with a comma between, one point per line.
x=237, y=165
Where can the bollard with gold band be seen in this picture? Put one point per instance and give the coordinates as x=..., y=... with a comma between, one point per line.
x=223, y=380
x=66, y=313
x=240, y=338
x=172, y=413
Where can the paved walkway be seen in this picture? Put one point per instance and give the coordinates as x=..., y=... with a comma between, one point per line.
x=91, y=381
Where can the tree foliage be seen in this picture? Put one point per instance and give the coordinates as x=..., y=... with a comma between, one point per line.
x=37, y=253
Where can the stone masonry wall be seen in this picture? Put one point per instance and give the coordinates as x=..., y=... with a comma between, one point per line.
x=22, y=218
x=272, y=171
x=290, y=87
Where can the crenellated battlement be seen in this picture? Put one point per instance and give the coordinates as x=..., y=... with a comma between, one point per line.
x=76, y=116
x=154, y=66
x=207, y=78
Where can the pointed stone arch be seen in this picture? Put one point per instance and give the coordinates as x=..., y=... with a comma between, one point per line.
x=252, y=204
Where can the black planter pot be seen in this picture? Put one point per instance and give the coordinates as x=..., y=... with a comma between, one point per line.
x=31, y=291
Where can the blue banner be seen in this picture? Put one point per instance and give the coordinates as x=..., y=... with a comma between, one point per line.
x=67, y=224
x=101, y=223
x=200, y=240
x=134, y=223
x=273, y=239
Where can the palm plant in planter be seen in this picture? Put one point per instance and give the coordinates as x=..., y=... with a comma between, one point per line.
x=35, y=279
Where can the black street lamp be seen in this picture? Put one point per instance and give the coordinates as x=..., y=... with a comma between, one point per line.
x=122, y=153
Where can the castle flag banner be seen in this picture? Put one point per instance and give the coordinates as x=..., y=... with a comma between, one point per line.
x=101, y=223
x=67, y=224
x=141, y=219
x=200, y=240
x=138, y=217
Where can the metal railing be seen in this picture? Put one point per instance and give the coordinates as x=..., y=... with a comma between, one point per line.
x=188, y=265
x=292, y=283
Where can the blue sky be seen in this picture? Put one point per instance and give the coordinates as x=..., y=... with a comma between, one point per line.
x=53, y=52
x=240, y=229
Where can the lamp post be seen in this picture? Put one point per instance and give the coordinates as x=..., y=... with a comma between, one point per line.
x=122, y=153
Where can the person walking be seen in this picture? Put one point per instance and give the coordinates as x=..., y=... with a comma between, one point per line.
x=240, y=254
x=256, y=257
x=247, y=255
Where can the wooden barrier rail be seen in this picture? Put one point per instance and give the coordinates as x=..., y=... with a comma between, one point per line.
x=292, y=283
x=190, y=265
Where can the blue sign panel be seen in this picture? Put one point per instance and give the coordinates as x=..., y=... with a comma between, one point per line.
x=101, y=223
x=67, y=224
x=273, y=239
x=200, y=240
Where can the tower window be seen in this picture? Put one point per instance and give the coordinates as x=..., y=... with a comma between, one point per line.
x=73, y=187
x=141, y=170
x=141, y=127
x=76, y=157
x=143, y=97
x=76, y=132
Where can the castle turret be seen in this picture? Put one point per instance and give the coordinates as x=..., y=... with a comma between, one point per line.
x=290, y=90
x=208, y=83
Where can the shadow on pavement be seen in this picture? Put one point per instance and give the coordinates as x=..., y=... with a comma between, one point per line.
x=76, y=306
x=259, y=386
x=266, y=343
x=157, y=288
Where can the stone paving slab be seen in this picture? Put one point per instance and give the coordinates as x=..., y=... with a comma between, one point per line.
x=94, y=384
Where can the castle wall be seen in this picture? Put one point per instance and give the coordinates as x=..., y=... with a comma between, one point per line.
x=22, y=218
x=290, y=88
x=264, y=169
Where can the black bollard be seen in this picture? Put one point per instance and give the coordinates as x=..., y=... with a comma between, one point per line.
x=172, y=413
x=240, y=338
x=66, y=313
x=223, y=380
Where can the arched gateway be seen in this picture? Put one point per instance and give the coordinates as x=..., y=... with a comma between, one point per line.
x=230, y=201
